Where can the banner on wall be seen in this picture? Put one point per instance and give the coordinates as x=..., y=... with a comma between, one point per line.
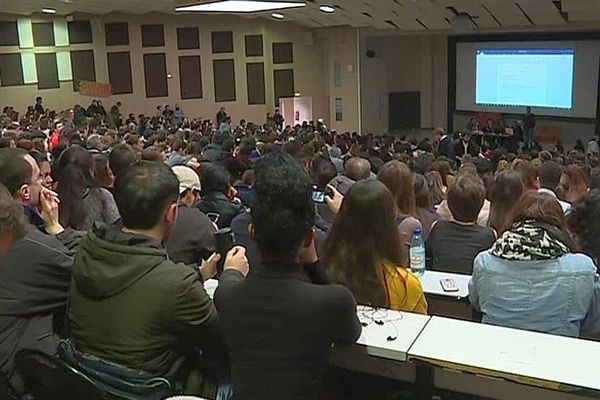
x=94, y=89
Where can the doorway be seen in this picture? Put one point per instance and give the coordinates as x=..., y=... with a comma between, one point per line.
x=405, y=110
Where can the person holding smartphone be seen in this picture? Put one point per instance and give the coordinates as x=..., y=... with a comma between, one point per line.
x=298, y=321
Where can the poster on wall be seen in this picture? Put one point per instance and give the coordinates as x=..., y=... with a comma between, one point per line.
x=339, y=106
x=94, y=89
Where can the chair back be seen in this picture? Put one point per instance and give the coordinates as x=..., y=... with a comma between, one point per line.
x=6, y=390
x=48, y=378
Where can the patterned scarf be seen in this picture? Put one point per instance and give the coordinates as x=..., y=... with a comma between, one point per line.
x=529, y=241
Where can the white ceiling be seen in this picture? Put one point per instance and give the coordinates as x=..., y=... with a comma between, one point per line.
x=405, y=15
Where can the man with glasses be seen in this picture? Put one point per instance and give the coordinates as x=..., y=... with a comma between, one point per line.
x=36, y=271
x=192, y=238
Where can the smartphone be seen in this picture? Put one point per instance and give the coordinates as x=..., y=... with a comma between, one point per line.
x=318, y=196
x=224, y=241
x=449, y=285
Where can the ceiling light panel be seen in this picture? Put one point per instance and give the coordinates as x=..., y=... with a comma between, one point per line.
x=240, y=6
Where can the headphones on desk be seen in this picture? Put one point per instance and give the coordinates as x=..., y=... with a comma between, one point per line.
x=379, y=317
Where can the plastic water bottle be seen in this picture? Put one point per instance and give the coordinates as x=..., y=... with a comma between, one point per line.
x=417, y=253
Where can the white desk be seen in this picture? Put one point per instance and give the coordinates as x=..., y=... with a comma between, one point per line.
x=526, y=357
x=405, y=327
x=431, y=284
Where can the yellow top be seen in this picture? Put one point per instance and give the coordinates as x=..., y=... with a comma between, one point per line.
x=403, y=290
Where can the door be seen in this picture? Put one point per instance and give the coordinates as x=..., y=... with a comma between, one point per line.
x=405, y=110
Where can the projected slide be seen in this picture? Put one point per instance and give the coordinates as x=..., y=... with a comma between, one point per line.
x=525, y=77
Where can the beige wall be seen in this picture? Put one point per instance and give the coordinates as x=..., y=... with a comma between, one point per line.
x=404, y=64
x=310, y=67
x=341, y=47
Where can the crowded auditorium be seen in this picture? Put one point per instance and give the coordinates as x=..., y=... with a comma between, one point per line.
x=299, y=200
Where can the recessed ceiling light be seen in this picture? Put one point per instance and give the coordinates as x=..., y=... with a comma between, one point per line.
x=240, y=6
x=48, y=10
x=277, y=16
x=326, y=8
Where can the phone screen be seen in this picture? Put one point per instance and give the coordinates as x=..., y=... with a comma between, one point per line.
x=318, y=196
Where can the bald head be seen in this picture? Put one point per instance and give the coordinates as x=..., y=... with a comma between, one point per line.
x=358, y=169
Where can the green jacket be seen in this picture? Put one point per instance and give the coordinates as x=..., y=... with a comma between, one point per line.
x=132, y=306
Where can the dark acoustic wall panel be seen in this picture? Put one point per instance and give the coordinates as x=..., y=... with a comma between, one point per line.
x=82, y=66
x=283, y=53
x=155, y=75
x=188, y=38
x=43, y=34
x=222, y=42
x=47, y=71
x=255, y=79
x=224, y=78
x=11, y=69
x=190, y=77
x=116, y=33
x=254, y=46
x=153, y=35
x=80, y=32
x=9, y=34
x=119, y=72
x=283, y=80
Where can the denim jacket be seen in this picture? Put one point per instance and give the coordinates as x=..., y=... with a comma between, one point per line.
x=559, y=296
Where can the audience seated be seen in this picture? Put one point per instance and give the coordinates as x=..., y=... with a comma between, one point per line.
x=355, y=169
x=294, y=342
x=137, y=302
x=425, y=212
x=529, y=175
x=45, y=169
x=532, y=279
x=398, y=178
x=437, y=190
x=218, y=196
x=452, y=245
x=484, y=214
x=103, y=176
x=121, y=157
x=12, y=222
x=363, y=251
x=583, y=223
x=573, y=186
x=36, y=271
x=506, y=190
x=82, y=203
x=549, y=175
x=191, y=240
x=129, y=303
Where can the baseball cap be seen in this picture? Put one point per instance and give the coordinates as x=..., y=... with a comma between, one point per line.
x=188, y=178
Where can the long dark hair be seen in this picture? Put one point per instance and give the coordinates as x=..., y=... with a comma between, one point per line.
x=435, y=184
x=398, y=179
x=74, y=174
x=103, y=176
x=506, y=190
x=422, y=192
x=364, y=234
x=583, y=222
x=543, y=208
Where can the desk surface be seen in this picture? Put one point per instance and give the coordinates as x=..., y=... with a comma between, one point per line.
x=531, y=355
x=431, y=284
x=405, y=327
